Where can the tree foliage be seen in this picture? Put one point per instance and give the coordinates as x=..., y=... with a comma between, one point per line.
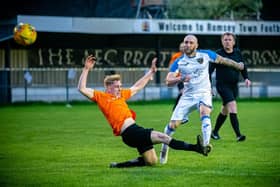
x=214, y=9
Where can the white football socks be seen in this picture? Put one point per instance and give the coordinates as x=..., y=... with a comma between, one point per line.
x=168, y=130
x=206, y=129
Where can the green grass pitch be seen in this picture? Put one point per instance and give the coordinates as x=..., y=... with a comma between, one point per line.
x=54, y=145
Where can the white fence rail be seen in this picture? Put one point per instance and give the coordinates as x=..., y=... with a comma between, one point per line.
x=59, y=85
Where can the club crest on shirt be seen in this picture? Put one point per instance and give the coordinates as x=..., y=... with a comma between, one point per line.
x=199, y=60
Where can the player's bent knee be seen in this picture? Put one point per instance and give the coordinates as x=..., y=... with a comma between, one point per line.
x=150, y=157
x=152, y=161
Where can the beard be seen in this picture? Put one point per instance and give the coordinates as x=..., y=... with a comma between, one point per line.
x=189, y=52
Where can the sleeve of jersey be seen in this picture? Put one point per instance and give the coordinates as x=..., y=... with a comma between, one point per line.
x=174, y=66
x=126, y=93
x=96, y=95
x=212, y=55
x=244, y=72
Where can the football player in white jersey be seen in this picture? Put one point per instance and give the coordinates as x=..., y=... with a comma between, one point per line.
x=192, y=70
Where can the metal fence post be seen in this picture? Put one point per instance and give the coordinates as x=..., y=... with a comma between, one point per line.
x=67, y=87
x=25, y=90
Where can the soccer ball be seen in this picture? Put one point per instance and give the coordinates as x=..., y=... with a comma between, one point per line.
x=25, y=34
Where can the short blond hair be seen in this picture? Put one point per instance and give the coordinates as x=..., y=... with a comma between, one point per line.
x=109, y=79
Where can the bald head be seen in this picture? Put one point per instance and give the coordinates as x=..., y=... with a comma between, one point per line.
x=191, y=37
x=191, y=44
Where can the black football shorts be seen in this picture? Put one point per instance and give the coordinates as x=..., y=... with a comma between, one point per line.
x=138, y=137
x=228, y=92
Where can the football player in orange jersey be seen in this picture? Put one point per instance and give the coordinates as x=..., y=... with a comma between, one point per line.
x=112, y=102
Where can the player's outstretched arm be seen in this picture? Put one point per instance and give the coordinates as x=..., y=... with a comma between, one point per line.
x=89, y=64
x=229, y=62
x=141, y=83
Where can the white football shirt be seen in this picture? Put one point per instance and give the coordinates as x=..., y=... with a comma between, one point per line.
x=197, y=67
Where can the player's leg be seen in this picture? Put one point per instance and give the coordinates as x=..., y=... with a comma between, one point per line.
x=180, y=114
x=163, y=157
x=204, y=102
x=219, y=122
x=159, y=137
x=148, y=158
x=137, y=162
x=232, y=108
x=234, y=120
x=225, y=91
x=205, y=123
x=169, y=130
x=140, y=138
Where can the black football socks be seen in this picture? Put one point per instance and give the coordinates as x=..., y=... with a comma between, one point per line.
x=181, y=145
x=235, y=124
x=131, y=163
x=219, y=122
